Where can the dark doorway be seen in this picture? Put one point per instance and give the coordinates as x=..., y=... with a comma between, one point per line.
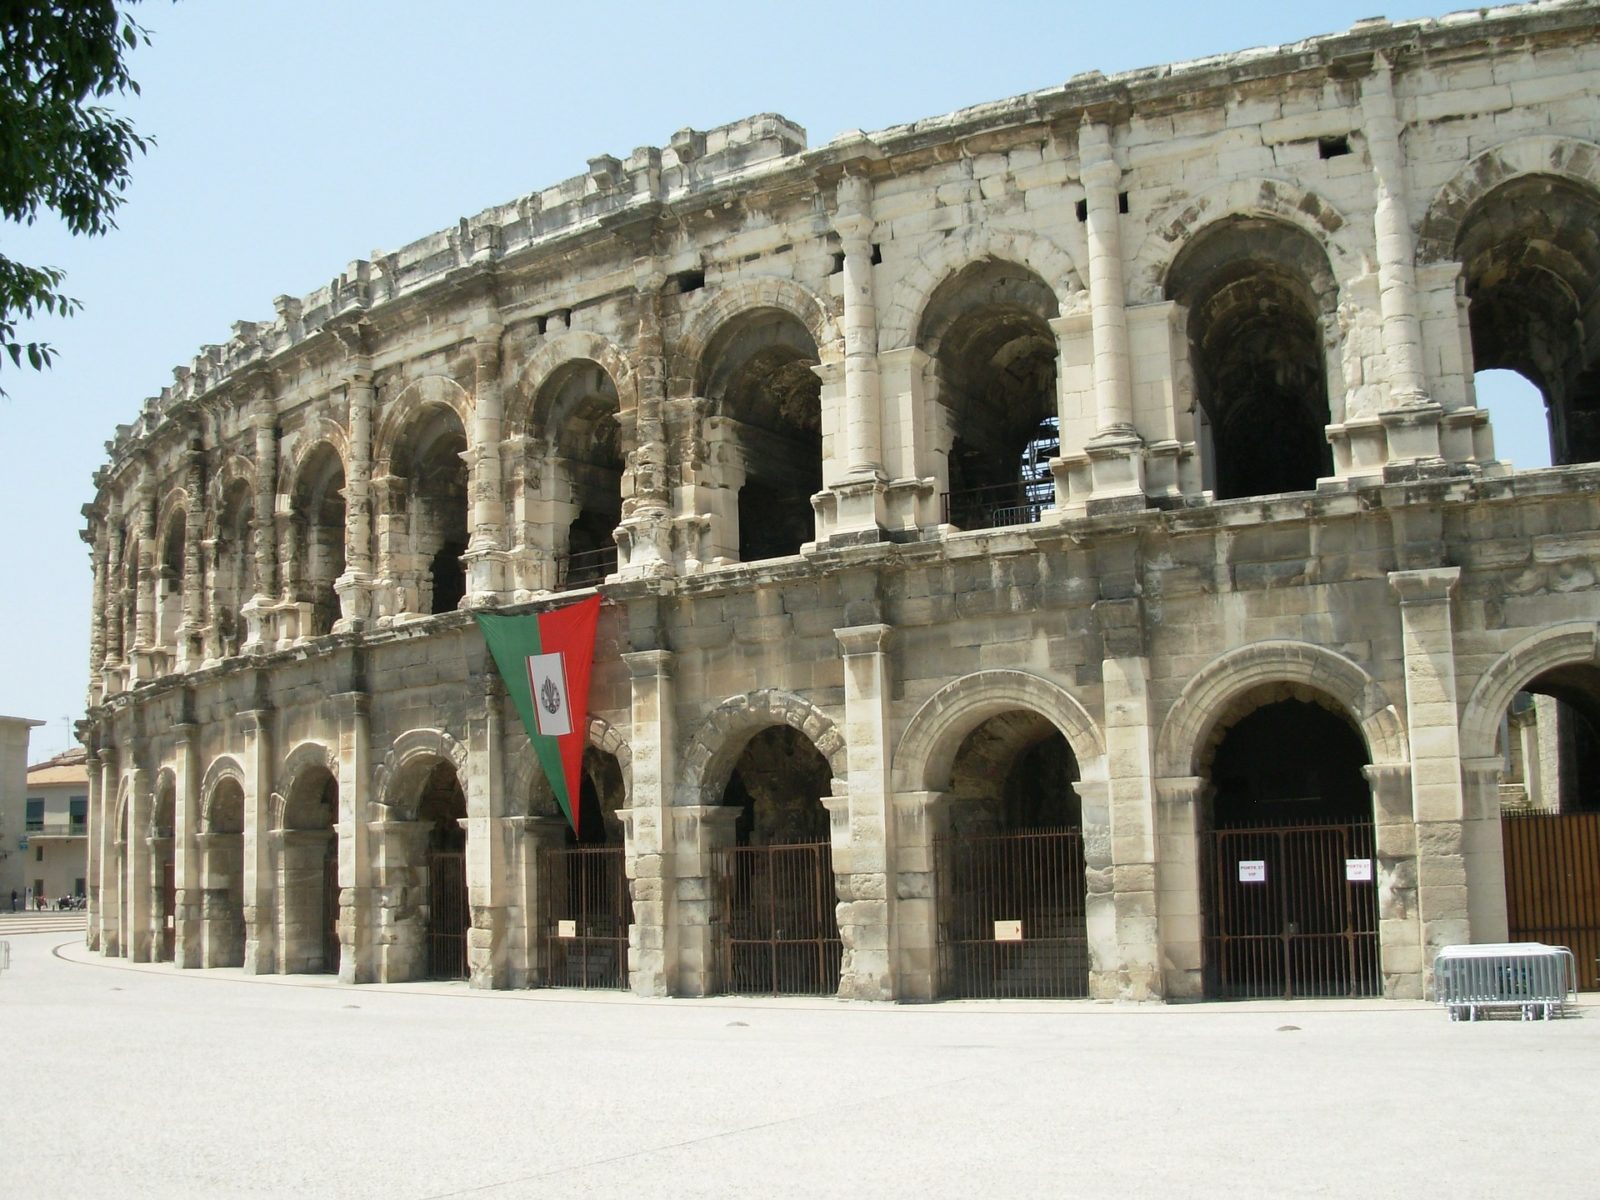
x=444, y=807
x=586, y=882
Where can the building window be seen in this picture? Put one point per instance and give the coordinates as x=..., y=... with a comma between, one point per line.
x=35, y=814
x=38, y=854
x=78, y=814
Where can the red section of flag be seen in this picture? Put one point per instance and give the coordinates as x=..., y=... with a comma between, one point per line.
x=569, y=632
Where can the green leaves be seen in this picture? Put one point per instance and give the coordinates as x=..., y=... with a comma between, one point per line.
x=58, y=151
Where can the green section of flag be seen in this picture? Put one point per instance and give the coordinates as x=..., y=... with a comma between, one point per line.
x=511, y=641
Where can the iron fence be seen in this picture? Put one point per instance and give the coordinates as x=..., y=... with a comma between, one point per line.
x=586, y=568
x=588, y=909
x=778, y=918
x=449, y=916
x=994, y=507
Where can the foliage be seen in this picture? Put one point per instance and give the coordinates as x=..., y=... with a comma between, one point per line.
x=59, y=149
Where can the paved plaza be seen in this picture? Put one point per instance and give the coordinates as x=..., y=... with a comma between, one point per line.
x=132, y=1081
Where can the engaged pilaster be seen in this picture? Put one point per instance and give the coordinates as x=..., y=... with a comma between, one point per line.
x=859, y=494
x=486, y=557
x=646, y=824
x=863, y=826
x=354, y=586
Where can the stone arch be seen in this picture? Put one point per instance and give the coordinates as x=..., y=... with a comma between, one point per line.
x=410, y=400
x=231, y=471
x=165, y=788
x=313, y=434
x=926, y=754
x=901, y=318
x=174, y=506
x=1576, y=642
x=1572, y=159
x=716, y=745
x=1205, y=699
x=304, y=757
x=522, y=768
x=222, y=769
x=412, y=747
x=1274, y=198
x=522, y=394
x=746, y=295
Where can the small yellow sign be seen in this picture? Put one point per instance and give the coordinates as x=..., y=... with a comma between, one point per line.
x=1008, y=931
x=567, y=929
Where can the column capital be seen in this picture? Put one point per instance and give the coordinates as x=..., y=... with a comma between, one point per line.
x=642, y=664
x=1422, y=586
x=864, y=639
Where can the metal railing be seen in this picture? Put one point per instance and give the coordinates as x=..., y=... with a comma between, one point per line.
x=58, y=828
x=779, y=918
x=997, y=506
x=586, y=942
x=586, y=568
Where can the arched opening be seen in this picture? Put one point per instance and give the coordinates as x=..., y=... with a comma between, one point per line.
x=169, y=582
x=766, y=403
x=442, y=806
x=316, y=557
x=1530, y=253
x=1009, y=869
x=222, y=877
x=581, y=404
x=987, y=330
x=1289, y=869
x=232, y=570
x=778, y=896
x=1516, y=407
x=430, y=459
x=308, y=874
x=587, y=905
x=1258, y=294
x=1550, y=804
x=163, y=870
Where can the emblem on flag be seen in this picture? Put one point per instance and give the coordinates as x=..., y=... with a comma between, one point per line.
x=547, y=679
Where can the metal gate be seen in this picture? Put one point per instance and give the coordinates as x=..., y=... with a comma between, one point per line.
x=1291, y=911
x=330, y=909
x=780, y=929
x=1553, y=884
x=586, y=899
x=448, y=916
x=169, y=909
x=1011, y=915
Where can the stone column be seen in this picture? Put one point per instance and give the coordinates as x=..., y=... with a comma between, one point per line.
x=859, y=495
x=863, y=828
x=260, y=945
x=698, y=832
x=920, y=819
x=186, y=862
x=300, y=856
x=644, y=537
x=257, y=611
x=1180, y=811
x=486, y=556
x=355, y=868
x=136, y=923
x=112, y=597
x=189, y=649
x=1483, y=849
x=1411, y=418
x=489, y=846
x=105, y=918
x=1115, y=452
x=1134, y=973
x=144, y=613
x=354, y=586
x=93, y=850
x=399, y=930
x=96, y=535
x=1427, y=635
x=394, y=595
x=1399, y=925
x=647, y=825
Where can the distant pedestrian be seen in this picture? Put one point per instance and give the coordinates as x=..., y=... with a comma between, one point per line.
x=13, y=899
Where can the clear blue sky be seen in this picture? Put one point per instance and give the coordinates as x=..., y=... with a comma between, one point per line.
x=297, y=135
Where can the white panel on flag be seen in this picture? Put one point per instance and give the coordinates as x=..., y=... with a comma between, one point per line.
x=547, y=680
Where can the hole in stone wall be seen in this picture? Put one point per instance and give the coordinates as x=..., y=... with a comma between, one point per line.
x=877, y=254
x=838, y=263
x=684, y=281
x=1122, y=202
x=1333, y=147
x=1082, y=209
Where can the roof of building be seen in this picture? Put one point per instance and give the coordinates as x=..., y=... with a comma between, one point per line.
x=70, y=766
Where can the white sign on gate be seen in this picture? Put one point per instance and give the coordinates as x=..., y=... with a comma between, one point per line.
x=1008, y=931
x=1252, y=870
x=567, y=929
x=1358, y=870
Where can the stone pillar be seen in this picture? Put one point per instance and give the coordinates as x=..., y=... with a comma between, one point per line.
x=257, y=611
x=1132, y=971
x=1115, y=451
x=486, y=556
x=222, y=918
x=98, y=538
x=647, y=825
x=187, y=864
x=300, y=857
x=356, y=957
x=136, y=921
x=190, y=651
x=698, y=832
x=863, y=825
x=1432, y=718
x=105, y=919
x=399, y=927
x=644, y=537
x=354, y=586
x=260, y=948
x=1411, y=418
x=394, y=595
x=161, y=920
x=489, y=844
x=1483, y=848
x=144, y=613
x=859, y=494
x=1180, y=813
x=112, y=599
x=93, y=849
x=1399, y=924
x=920, y=819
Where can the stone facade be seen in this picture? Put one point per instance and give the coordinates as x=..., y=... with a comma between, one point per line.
x=1113, y=412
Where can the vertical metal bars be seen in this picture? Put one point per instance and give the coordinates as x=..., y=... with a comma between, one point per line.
x=448, y=915
x=1011, y=915
x=1288, y=915
x=586, y=934
x=330, y=908
x=780, y=930
x=1553, y=884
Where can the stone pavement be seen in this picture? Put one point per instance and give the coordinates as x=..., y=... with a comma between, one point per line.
x=139, y=1081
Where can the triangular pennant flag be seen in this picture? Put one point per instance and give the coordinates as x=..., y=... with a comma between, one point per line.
x=545, y=659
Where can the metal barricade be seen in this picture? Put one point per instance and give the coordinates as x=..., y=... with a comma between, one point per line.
x=5, y=955
x=1533, y=979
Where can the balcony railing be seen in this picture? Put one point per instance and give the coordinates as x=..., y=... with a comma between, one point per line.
x=67, y=828
x=585, y=568
x=993, y=507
